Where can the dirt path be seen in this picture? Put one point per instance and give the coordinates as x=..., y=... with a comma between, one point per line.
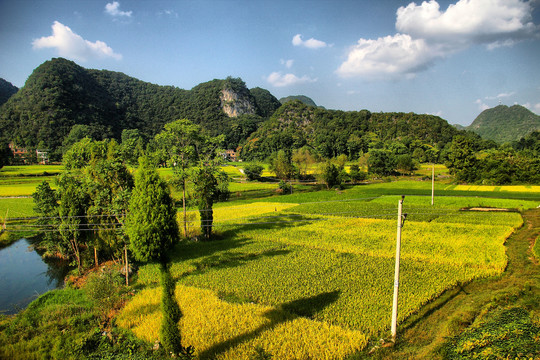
x=422, y=334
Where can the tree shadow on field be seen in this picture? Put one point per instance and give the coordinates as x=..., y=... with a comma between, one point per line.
x=270, y=222
x=305, y=307
x=231, y=259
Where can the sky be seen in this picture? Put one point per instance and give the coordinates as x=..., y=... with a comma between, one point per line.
x=453, y=58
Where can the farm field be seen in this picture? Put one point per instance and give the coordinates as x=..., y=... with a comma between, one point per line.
x=311, y=273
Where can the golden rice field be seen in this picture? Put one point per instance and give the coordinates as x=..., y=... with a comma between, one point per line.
x=313, y=279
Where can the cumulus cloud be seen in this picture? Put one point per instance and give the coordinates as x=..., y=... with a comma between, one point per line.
x=279, y=79
x=73, y=46
x=113, y=9
x=398, y=55
x=310, y=43
x=426, y=34
x=536, y=108
x=288, y=63
x=468, y=22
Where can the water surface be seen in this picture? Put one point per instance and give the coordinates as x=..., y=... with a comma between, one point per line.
x=24, y=276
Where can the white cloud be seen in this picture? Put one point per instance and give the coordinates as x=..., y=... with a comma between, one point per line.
x=426, y=34
x=113, y=9
x=481, y=105
x=390, y=56
x=310, y=43
x=467, y=22
x=500, y=96
x=279, y=79
x=536, y=108
x=288, y=63
x=73, y=46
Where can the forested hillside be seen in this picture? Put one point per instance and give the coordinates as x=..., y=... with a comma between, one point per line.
x=60, y=94
x=505, y=124
x=6, y=90
x=332, y=132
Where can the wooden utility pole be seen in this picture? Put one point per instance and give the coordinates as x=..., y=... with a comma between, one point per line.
x=127, y=265
x=400, y=221
x=432, y=184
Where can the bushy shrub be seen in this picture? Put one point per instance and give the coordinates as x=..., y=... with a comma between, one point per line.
x=104, y=289
x=253, y=171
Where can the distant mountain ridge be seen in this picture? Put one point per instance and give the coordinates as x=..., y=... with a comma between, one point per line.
x=60, y=94
x=7, y=90
x=304, y=99
x=505, y=124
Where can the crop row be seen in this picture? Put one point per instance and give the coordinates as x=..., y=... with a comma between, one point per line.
x=223, y=330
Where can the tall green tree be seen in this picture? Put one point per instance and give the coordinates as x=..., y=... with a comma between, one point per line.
x=462, y=161
x=179, y=144
x=151, y=220
x=72, y=211
x=152, y=230
x=206, y=186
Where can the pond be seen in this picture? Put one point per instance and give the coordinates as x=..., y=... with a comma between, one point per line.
x=24, y=276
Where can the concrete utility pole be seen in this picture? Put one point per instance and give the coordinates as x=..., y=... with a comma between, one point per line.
x=433, y=184
x=400, y=221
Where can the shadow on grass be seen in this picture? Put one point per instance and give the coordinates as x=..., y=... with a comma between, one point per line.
x=305, y=307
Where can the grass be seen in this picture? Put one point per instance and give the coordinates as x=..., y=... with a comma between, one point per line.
x=296, y=254
x=310, y=275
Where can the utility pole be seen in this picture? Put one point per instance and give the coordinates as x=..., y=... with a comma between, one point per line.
x=400, y=221
x=433, y=184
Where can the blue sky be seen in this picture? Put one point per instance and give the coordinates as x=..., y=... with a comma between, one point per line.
x=449, y=58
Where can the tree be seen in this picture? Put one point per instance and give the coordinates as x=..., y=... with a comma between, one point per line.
x=303, y=158
x=253, y=171
x=205, y=183
x=281, y=166
x=72, y=211
x=132, y=146
x=462, y=160
x=381, y=162
x=330, y=174
x=151, y=221
x=179, y=144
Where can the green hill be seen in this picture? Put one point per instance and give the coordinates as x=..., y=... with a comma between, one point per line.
x=334, y=132
x=304, y=99
x=6, y=90
x=60, y=94
x=505, y=124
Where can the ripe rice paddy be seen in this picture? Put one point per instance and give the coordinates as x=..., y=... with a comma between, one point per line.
x=322, y=263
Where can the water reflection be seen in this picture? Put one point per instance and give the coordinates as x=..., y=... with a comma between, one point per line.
x=24, y=276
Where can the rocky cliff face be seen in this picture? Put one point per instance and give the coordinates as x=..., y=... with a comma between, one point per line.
x=235, y=104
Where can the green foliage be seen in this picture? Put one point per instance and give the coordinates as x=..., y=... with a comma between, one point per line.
x=284, y=187
x=504, y=124
x=381, y=162
x=506, y=334
x=356, y=174
x=205, y=185
x=331, y=133
x=64, y=324
x=302, y=98
x=330, y=175
x=281, y=165
x=151, y=222
x=7, y=89
x=104, y=288
x=266, y=103
x=253, y=171
x=462, y=161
